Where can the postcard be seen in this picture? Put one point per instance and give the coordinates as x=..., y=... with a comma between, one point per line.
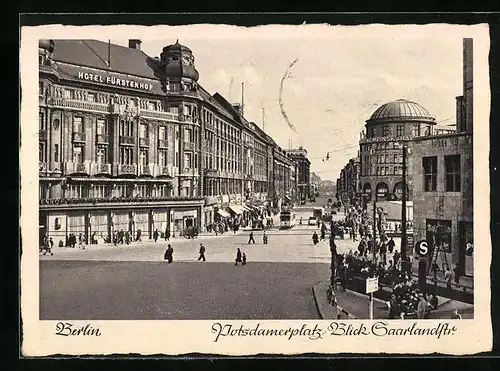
x=277, y=189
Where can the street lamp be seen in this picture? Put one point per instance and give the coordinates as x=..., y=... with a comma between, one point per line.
x=404, y=265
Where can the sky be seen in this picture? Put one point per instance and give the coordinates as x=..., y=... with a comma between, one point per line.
x=339, y=80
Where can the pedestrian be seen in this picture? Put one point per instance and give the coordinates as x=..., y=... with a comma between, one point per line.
x=393, y=307
x=435, y=269
x=390, y=245
x=238, y=257
x=244, y=259
x=448, y=276
x=156, y=235
x=202, y=253
x=264, y=238
x=455, y=314
x=315, y=238
x=167, y=234
x=50, y=246
x=456, y=274
x=169, y=254
x=251, y=239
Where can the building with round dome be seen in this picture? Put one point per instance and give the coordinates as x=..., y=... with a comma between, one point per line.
x=392, y=126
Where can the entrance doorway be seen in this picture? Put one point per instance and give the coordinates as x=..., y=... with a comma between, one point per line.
x=466, y=248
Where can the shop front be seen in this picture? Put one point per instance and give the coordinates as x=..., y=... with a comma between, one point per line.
x=160, y=222
x=184, y=219
x=141, y=225
x=76, y=224
x=99, y=226
x=121, y=221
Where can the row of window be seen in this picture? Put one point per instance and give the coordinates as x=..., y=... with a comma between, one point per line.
x=399, y=130
x=107, y=191
x=452, y=173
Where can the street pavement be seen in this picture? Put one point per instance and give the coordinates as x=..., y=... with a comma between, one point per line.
x=89, y=290
x=134, y=282
x=292, y=245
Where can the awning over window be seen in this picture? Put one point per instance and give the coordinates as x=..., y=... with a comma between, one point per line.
x=246, y=208
x=223, y=213
x=236, y=209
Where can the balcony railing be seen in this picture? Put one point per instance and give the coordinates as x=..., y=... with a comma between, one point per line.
x=76, y=168
x=95, y=200
x=189, y=146
x=211, y=171
x=103, y=138
x=42, y=134
x=165, y=171
x=127, y=169
x=127, y=140
x=144, y=142
x=162, y=143
x=79, y=137
x=144, y=170
x=81, y=105
x=159, y=115
x=209, y=126
x=101, y=168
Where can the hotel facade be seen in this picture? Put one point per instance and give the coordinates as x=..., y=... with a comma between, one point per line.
x=128, y=142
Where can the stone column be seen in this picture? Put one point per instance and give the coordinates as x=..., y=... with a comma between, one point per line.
x=115, y=142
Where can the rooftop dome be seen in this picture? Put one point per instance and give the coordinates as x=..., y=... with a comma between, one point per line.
x=401, y=110
x=178, y=62
x=46, y=44
x=177, y=46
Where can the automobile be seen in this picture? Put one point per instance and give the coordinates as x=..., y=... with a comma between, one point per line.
x=312, y=220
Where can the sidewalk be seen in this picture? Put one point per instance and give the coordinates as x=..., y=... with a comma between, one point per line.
x=354, y=305
x=350, y=304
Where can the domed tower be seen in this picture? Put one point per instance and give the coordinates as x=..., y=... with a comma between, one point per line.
x=179, y=72
x=389, y=130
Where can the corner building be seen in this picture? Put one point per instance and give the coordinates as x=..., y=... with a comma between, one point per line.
x=134, y=143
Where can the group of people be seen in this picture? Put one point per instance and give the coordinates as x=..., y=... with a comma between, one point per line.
x=241, y=258
x=47, y=245
x=72, y=240
x=408, y=301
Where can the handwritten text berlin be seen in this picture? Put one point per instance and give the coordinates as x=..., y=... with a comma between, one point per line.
x=111, y=80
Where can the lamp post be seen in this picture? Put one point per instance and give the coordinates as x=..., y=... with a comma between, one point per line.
x=403, y=213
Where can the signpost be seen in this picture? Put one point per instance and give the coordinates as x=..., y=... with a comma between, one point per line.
x=371, y=287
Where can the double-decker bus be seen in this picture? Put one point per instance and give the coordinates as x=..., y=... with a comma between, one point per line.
x=287, y=219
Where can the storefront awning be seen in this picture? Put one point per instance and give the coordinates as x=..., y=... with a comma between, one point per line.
x=236, y=209
x=246, y=208
x=223, y=213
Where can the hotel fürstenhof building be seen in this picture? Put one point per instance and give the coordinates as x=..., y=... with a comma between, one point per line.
x=131, y=142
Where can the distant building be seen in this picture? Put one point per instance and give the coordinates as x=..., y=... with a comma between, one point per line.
x=349, y=186
x=304, y=177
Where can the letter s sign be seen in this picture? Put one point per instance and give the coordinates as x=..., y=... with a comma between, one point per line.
x=421, y=248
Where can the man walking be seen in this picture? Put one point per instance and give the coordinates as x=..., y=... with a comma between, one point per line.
x=264, y=238
x=169, y=254
x=202, y=253
x=156, y=235
x=167, y=234
x=238, y=256
x=250, y=239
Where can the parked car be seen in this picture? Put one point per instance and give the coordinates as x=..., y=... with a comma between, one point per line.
x=312, y=221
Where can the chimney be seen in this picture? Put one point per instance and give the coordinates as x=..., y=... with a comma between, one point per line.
x=460, y=125
x=468, y=83
x=135, y=44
